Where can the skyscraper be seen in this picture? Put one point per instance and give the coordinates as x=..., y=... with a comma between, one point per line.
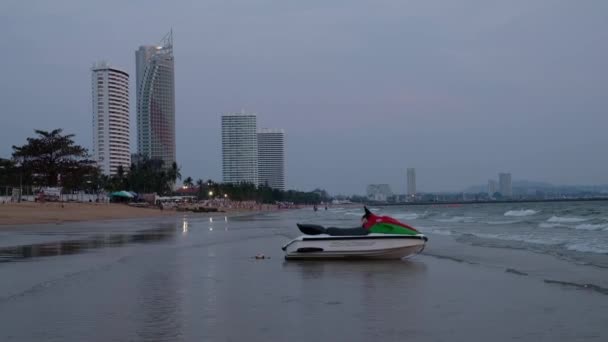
x=111, y=138
x=239, y=148
x=504, y=182
x=271, y=158
x=411, y=182
x=156, y=101
x=492, y=187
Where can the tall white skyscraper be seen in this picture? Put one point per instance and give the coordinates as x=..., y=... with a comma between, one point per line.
x=504, y=183
x=239, y=148
x=111, y=138
x=271, y=158
x=411, y=182
x=155, y=79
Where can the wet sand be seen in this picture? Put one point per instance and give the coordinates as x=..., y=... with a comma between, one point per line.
x=193, y=278
x=14, y=215
x=54, y=212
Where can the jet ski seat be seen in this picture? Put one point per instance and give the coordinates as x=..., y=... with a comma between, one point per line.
x=315, y=229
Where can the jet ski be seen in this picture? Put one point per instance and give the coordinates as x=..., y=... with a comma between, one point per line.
x=379, y=237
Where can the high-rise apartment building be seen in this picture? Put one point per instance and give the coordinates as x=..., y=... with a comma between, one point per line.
x=155, y=80
x=271, y=158
x=111, y=137
x=492, y=187
x=411, y=182
x=239, y=148
x=504, y=183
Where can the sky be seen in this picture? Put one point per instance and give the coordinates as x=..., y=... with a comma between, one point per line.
x=459, y=90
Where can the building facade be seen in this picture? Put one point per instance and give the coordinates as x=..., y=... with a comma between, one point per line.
x=504, y=182
x=492, y=187
x=379, y=192
x=111, y=133
x=155, y=81
x=411, y=182
x=239, y=148
x=271, y=158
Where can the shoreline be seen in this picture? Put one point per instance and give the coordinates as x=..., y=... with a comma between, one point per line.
x=382, y=204
x=15, y=215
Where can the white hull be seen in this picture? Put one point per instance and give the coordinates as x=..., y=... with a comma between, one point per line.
x=372, y=246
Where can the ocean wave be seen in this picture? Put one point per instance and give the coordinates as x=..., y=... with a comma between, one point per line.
x=441, y=232
x=550, y=225
x=587, y=248
x=523, y=212
x=517, y=238
x=557, y=219
x=405, y=216
x=456, y=219
x=503, y=222
x=591, y=226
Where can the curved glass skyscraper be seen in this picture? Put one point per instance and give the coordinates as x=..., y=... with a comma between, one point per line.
x=155, y=79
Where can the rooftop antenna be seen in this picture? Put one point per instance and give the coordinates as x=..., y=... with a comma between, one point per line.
x=167, y=41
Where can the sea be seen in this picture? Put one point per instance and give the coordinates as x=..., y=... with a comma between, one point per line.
x=489, y=272
x=577, y=231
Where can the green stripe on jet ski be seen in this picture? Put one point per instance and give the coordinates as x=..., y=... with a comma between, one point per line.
x=389, y=228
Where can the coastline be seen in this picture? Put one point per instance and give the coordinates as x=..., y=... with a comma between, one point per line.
x=14, y=215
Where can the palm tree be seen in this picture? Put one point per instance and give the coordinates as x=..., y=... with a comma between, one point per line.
x=188, y=182
x=200, y=184
x=174, y=173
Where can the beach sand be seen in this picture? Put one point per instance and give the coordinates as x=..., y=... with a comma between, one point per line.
x=194, y=279
x=53, y=212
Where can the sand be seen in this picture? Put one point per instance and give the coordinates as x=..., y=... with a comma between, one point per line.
x=39, y=213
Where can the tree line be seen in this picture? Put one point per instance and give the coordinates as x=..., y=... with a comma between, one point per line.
x=52, y=158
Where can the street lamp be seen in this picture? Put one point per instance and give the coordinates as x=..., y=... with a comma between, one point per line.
x=210, y=193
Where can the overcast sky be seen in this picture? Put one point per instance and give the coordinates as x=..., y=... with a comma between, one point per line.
x=460, y=90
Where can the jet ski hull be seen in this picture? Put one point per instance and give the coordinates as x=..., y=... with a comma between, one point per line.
x=371, y=246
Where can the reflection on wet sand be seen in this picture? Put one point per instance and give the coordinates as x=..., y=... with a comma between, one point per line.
x=67, y=247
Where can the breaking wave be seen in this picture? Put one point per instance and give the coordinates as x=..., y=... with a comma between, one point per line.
x=523, y=212
x=503, y=222
x=406, y=216
x=456, y=219
x=586, y=248
x=550, y=225
x=590, y=226
x=557, y=219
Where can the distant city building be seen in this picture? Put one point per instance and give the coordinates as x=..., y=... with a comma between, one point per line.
x=155, y=82
x=379, y=192
x=411, y=182
x=271, y=158
x=504, y=182
x=492, y=187
x=111, y=138
x=239, y=148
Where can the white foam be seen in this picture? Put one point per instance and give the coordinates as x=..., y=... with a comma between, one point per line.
x=353, y=214
x=590, y=226
x=503, y=222
x=442, y=232
x=550, y=225
x=523, y=212
x=557, y=219
x=587, y=248
x=519, y=238
x=456, y=219
x=405, y=216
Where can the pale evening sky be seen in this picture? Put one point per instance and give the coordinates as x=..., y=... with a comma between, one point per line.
x=460, y=90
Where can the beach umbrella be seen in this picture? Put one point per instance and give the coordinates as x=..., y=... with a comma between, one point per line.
x=123, y=194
